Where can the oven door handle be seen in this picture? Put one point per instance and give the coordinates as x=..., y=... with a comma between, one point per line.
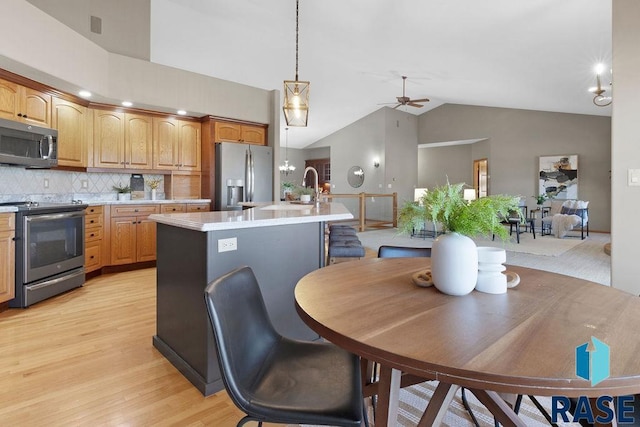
x=49, y=217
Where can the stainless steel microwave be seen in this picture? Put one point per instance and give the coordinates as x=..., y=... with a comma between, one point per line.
x=27, y=145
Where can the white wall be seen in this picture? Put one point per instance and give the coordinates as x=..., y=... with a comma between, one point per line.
x=625, y=234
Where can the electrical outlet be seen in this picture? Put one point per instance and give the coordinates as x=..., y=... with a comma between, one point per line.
x=46, y=183
x=84, y=183
x=226, y=245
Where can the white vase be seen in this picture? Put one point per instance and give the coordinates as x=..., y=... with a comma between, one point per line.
x=153, y=193
x=491, y=278
x=454, y=264
x=124, y=196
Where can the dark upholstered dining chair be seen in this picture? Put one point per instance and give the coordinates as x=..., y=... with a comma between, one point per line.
x=272, y=378
x=386, y=251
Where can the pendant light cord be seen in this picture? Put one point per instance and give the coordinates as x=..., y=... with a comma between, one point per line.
x=297, y=6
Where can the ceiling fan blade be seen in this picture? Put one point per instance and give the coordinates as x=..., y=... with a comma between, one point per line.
x=419, y=100
x=415, y=105
x=397, y=106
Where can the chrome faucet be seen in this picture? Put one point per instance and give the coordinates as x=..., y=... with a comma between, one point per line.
x=304, y=177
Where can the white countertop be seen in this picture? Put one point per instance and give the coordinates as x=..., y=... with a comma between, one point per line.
x=8, y=209
x=144, y=202
x=262, y=215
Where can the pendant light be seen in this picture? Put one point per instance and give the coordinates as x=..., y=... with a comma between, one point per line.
x=296, y=94
x=286, y=169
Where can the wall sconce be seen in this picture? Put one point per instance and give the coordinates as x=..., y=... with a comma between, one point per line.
x=376, y=162
x=599, y=98
x=469, y=194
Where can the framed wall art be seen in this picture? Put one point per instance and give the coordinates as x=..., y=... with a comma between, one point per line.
x=558, y=176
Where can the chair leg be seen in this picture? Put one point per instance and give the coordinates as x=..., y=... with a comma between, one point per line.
x=247, y=419
x=465, y=403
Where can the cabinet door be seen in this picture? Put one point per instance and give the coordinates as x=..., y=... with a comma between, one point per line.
x=70, y=121
x=165, y=143
x=253, y=135
x=190, y=153
x=108, y=139
x=138, y=141
x=123, y=240
x=9, y=101
x=36, y=107
x=227, y=132
x=7, y=265
x=146, y=239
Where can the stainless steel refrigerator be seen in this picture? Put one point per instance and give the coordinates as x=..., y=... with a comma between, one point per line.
x=244, y=173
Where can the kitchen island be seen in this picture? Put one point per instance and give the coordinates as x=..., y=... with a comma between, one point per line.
x=281, y=242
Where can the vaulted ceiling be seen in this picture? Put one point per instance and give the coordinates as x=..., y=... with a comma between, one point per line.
x=522, y=54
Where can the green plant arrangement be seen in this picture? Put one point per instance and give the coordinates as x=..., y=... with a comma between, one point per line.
x=300, y=190
x=446, y=205
x=287, y=186
x=541, y=198
x=122, y=188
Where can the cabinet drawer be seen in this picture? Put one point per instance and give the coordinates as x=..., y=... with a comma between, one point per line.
x=93, y=234
x=197, y=207
x=7, y=221
x=173, y=208
x=94, y=210
x=134, y=210
x=92, y=257
x=93, y=220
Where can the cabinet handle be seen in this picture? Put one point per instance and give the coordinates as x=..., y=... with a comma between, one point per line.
x=122, y=163
x=139, y=222
x=92, y=257
x=92, y=235
x=19, y=114
x=133, y=222
x=135, y=210
x=25, y=116
x=91, y=221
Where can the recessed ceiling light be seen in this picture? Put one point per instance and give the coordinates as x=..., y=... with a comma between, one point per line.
x=84, y=93
x=182, y=112
x=127, y=103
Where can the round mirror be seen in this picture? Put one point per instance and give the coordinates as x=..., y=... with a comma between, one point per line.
x=355, y=176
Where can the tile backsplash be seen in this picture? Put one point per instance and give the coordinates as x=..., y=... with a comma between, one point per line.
x=17, y=183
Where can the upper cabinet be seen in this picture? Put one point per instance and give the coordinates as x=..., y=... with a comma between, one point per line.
x=176, y=144
x=122, y=140
x=24, y=104
x=72, y=122
x=235, y=132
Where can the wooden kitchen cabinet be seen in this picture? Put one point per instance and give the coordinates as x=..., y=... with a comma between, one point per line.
x=198, y=207
x=184, y=207
x=176, y=144
x=173, y=208
x=72, y=122
x=236, y=132
x=122, y=140
x=24, y=104
x=7, y=257
x=93, y=237
x=132, y=234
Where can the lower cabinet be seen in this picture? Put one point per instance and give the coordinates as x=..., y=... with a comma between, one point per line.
x=7, y=256
x=93, y=238
x=132, y=234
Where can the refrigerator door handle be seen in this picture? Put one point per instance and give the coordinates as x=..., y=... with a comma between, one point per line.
x=252, y=174
x=247, y=177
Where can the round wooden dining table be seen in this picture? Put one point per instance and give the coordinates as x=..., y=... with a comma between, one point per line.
x=521, y=342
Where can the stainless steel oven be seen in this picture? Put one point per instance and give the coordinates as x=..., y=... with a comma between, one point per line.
x=49, y=251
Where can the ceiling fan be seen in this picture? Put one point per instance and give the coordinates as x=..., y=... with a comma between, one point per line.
x=405, y=100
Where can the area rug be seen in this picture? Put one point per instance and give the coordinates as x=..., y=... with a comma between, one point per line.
x=414, y=400
x=541, y=245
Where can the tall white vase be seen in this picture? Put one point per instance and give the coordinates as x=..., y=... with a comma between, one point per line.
x=454, y=264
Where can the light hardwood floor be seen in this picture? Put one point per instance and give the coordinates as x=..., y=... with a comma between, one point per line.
x=85, y=358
